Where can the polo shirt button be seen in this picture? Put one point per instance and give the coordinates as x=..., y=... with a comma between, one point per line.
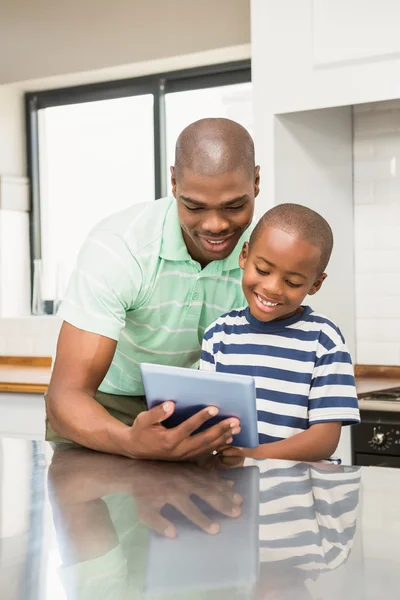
x=195, y=296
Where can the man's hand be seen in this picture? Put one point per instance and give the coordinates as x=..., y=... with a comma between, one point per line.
x=148, y=438
x=83, y=360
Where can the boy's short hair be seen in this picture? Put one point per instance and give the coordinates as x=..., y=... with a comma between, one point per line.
x=302, y=222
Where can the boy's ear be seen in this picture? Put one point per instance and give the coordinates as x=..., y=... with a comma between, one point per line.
x=244, y=255
x=316, y=286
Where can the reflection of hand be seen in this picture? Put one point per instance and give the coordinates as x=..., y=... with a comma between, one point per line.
x=159, y=486
x=220, y=462
x=79, y=476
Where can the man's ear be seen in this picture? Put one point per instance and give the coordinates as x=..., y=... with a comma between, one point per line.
x=173, y=180
x=256, y=181
x=244, y=255
x=316, y=286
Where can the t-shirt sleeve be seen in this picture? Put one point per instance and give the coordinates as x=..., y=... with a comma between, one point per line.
x=333, y=395
x=104, y=286
x=207, y=360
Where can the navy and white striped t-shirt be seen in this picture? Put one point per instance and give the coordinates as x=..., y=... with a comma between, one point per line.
x=301, y=366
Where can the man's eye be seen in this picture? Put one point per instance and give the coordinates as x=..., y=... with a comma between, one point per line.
x=193, y=209
x=293, y=285
x=261, y=271
x=235, y=207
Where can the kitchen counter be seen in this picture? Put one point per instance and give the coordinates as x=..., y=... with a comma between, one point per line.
x=76, y=524
x=24, y=378
x=30, y=374
x=366, y=385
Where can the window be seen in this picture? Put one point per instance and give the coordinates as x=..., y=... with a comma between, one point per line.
x=95, y=158
x=95, y=150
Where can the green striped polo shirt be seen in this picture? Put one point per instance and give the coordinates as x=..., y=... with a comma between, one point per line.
x=136, y=283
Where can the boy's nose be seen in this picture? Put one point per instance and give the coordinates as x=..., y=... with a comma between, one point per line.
x=273, y=290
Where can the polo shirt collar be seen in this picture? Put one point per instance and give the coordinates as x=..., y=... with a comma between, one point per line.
x=173, y=245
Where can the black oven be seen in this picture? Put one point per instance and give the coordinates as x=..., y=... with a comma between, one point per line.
x=376, y=440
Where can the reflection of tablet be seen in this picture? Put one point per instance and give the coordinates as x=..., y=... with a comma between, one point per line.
x=197, y=561
x=192, y=390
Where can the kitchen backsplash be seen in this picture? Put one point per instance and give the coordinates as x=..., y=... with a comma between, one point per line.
x=377, y=231
x=29, y=336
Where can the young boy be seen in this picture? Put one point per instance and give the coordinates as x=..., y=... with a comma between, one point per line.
x=302, y=368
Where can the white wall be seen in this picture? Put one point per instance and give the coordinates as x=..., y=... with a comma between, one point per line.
x=14, y=263
x=29, y=336
x=305, y=157
x=14, y=221
x=313, y=166
x=377, y=231
x=322, y=53
x=12, y=133
x=67, y=37
x=318, y=54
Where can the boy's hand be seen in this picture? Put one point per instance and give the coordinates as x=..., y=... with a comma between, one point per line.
x=233, y=451
x=312, y=445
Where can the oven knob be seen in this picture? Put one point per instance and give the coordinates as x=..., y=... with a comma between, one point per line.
x=378, y=438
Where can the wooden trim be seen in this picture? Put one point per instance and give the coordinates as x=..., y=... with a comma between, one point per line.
x=26, y=361
x=24, y=388
x=377, y=371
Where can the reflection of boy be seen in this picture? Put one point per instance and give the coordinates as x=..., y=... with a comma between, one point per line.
x=303, y=371
x=307, y=521
x=308, y=517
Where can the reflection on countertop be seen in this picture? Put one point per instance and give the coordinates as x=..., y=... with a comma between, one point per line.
x=77, y=524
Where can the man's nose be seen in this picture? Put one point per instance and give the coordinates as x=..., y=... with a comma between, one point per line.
x=215, y=223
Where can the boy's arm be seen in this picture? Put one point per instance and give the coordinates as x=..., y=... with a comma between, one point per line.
x=207, y=360
x=317, y=443
x=332, y=402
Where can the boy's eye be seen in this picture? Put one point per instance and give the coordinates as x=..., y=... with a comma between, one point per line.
x=261, y=271
x=192, y=209
x=293, y=285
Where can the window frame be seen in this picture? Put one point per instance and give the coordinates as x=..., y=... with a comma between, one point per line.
x=158, y=85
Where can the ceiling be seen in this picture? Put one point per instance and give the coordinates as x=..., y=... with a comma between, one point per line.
x=42, y=38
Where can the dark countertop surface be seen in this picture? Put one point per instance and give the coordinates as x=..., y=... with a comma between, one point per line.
x=80, y=525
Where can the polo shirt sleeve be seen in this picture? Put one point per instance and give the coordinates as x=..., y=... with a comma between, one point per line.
x=104, y=286
x=207, y=360
x=333, y=395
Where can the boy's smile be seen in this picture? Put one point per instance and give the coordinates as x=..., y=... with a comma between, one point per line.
x=280, y=269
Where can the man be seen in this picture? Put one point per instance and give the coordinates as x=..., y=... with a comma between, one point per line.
x=147, y=284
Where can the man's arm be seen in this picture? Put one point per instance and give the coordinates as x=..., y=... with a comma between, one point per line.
x=81, y=364
x=317, y=443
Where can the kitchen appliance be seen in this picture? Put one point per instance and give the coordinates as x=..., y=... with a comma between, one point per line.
x=376, y=441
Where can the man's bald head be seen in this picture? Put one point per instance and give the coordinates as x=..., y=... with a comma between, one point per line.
x=214, y=147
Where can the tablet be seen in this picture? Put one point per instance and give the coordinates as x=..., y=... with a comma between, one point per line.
x=198, y=562
x=193, y=390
